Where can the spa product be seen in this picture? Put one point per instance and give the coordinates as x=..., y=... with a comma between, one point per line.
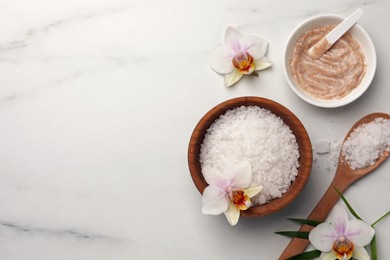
x=333, y=76
x=255, y=135
x=367, y=143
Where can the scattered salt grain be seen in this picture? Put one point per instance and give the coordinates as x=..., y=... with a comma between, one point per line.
x=367, y=143
x=260, y=137
x=322, y=146
x=333, y=159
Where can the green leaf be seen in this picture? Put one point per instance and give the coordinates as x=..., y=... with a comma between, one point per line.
x=381, y=218
x=373, y=249
x=309, y=222
x=255, y=73
x=298, y=234
x=348, y=205
x=306, y=256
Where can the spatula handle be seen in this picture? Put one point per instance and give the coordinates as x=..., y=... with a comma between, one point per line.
x=319, y=213
x=344, y=26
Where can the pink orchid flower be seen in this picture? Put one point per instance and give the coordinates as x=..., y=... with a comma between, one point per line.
x=241, y=55
x=229, y=191
x=342, y=238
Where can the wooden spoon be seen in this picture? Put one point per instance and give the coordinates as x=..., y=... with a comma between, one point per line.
x=343, y=178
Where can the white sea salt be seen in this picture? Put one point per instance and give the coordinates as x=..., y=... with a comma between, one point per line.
x=253, y=134
x=322, y=146
x=367, y=143
x=333, y=158
x=327, y=154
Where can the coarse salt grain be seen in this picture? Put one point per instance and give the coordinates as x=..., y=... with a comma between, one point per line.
x=327, y=154
x=367, y=143
x=256, y=135
x=322, y=146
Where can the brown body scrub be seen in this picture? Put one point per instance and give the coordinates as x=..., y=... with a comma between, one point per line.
x=336, y=73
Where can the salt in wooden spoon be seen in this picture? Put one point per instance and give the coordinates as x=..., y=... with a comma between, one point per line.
x=343, y=178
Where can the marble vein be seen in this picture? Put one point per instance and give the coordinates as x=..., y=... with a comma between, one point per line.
x=110, y=62
x=58, y=232
x=31, y=33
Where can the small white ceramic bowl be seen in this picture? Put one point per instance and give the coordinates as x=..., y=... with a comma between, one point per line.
x=357, y=32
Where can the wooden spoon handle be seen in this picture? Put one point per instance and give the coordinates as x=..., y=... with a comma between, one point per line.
x=319, y=213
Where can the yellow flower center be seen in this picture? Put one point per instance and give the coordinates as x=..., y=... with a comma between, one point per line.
x=244, y=63
x=343, y=248
x=241, y=200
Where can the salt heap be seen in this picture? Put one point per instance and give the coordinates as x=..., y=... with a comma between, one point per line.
x=253, y=134
x=367, y=143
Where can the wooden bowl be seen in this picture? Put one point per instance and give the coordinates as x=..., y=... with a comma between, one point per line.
x=305, y=150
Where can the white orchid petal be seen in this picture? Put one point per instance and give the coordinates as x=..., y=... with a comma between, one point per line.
x=252, y=191
x=239, y=175
x=360, y=253
x=226, y=59
x=232, y=214
x=339, y=219
x=262, y=64
x=215, y=178
x=328, y=256
x=232, y=77
x=323, y=236
x=214, y=201
x=359, y=232
x=233, y=39
x=222, y=60
x=254, y=45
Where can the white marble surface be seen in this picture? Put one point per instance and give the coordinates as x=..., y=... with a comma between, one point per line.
x=98, y=100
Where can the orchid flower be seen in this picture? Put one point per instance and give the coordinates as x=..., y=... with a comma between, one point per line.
x=241, y=55
x=342, y=238
x=229, y=191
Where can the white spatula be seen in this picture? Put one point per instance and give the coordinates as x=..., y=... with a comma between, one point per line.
x=318, y=49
